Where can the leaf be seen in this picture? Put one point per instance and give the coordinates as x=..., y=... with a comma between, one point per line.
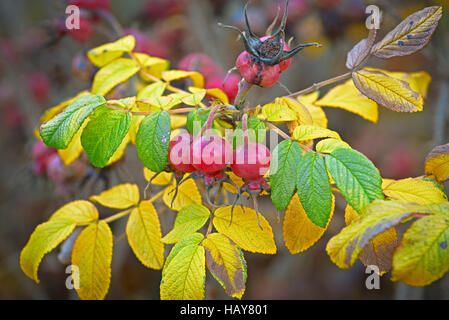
x=418, y=81
x=113, y=74
x=305, y=132
x=195, y=98
x=314, y=189
x=119, y=197
x=163, y=178
x=346, y=96
x=437, y=163
x=153, y=140
x=151, y=65
x=245, y=230
x=153, y=90
x=185, y=275
x=59, y=131
x=319, y=118
x=278, y=111
x=284, y=163
x=104, y=134
x=361, y=51
x=92, y=254
x=191, y=240
x=356, y=177
x=392, y=93
x=199, y=115
x=423, y=255
x=187, y=194
x=80, y=212
x=256, y=132
x=411, y=35
x=379, y=251
x=345, y=247
x=299, y=232
x=74, y=149
x=143, y=231
x=303, y=116
x=108, y=52
x=219, y=94
x=226, y=264
x=44, y=239
x=189, y=220
x=330, y=145
x=120, y=152
x=197, y=78
x=178, y=121
x=415, y=190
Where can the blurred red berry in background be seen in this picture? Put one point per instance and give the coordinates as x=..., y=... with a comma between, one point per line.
x=145, y=44
x=202, y=63
x=91, y=4
x=85, y=31
x=231, y=86
x=39, y=86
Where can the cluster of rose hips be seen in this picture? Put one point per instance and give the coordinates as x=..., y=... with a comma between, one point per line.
x=208, y=156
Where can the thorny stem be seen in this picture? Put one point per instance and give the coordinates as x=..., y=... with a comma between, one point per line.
x=317, y=86
x=244, y=88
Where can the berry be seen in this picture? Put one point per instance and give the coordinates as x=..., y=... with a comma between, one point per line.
x=202, y=63
x=211, y=154
x=41, y=155
x=39, y=86
x=85, y=31
x=91, y=4
x=230, y=87
x=251, y=162
x=284, y=65
x=180, y=153
x=258, y=73
x=145, y=45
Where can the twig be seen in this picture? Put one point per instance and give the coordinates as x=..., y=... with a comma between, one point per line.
x=317, y=86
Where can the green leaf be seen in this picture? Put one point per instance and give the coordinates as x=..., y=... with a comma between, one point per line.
x=256, y=132
x=59, y=132
x=196, y=115
x=284, y=163
x=190, y=219
x=423, y=256
x=153, y=140
x=104, y=133
x=191, y=240
x=113, y=74
x=330, y=145
x=314, y=189
x=356, y=177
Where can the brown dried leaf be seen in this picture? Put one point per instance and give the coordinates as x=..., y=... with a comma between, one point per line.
x=361, y=51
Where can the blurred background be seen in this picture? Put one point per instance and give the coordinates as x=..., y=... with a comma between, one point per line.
x=42, y=64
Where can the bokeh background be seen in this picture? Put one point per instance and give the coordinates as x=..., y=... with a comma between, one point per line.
x=42, y=65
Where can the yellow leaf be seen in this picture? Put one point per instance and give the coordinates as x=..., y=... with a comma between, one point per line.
x=80, y=212
x=416, y=190
x=299, y=232
x=151, y=91
x=418, y=81
x=278, y=111
x=184, y=275
x=237, y=180
x=108, y=52
x=113, y=74
x=163, y=178
x=197, y=78
x=379, y=251
x=346, y=96
x=120, y=152
x=309, y=98
x=389, y=92
x=226, y=264
x=303, y=114
x=189, y=220
x=219, y=94
x=144, y=235
x=437, y=163
x=74, y=149
x=92, y=257
x=119, y=197
x=305, y=132
x=134, y=128
x=330, y=145
x=152, y=65
x=187, y=194
x=196, y=97
x=44, y=239
x=245, y=230
x=178, y=121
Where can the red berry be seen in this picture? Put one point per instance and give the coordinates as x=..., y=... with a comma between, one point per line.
x=257, y=73
x=231, y=86
x=41, y=155
x=251, y=162
x=85, y=31
x=39, y=85
x=284, y=65
x=145, y=45
x=211, y=154
x=91, y=4
x=202, y=63
x=180, y=153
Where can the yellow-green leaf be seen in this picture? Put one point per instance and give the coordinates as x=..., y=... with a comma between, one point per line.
x=119, y=197
x=299, y=232
x=330, y=145
x=195, y=98
x=245, y=230
x=318, y=115
x=184, y=275
x=108, y=52
x=437, y=163
x=226, y=264
x=152, y=65
x=389, y=92
x=423, y=255
x=305, y=132
x=80, y=212
x=188, y=193
x=114, y=74
x=190, y=219
x=346, y=96
x=143, y=231
x=278, y=111
x=197, y=78
x=92, y=255
x=418, y=190
x=152, y=91
x=44, y=239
